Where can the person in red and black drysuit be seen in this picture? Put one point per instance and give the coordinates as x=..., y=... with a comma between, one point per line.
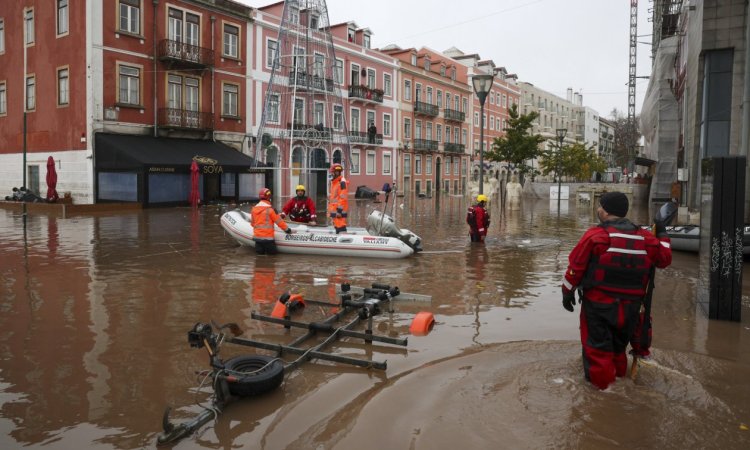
x=478, y=219
x=300, y=208
x=612, y=265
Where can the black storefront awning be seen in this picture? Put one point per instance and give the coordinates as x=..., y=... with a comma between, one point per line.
x=133, y=152
x=645, y=162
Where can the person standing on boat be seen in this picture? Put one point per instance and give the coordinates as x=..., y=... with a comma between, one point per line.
x=262, y=218
x=338, y=199
x=300, y=208
x=612, y=265
x=478, y=219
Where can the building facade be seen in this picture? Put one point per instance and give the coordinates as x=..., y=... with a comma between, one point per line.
x=434, y=131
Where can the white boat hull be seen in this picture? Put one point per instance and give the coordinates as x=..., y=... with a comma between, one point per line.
x=318, y=240
x=686, y=238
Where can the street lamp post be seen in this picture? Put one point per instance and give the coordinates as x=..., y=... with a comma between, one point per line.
x=482, y=84
x=561, y=132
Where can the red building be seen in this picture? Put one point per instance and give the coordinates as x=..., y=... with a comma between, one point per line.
x=125, y=94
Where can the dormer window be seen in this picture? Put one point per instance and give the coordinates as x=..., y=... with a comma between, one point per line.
x=413, y=60
x=453, y=74
x=427, y=65
x=350, y=35
x=366, y=41
x=442, y=71
x=314, y=21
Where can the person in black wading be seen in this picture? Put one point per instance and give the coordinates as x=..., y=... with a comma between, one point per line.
x=371, y=132
x=612, y=264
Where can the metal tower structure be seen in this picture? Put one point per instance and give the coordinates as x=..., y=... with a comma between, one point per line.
x=303, y=127
x=631, y=82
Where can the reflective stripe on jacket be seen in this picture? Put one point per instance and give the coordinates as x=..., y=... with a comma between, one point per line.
x=338, y=197
x=262, y=218
x=613, y=260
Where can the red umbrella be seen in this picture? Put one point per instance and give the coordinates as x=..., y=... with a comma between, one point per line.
x=52, y=195
x=194, y=195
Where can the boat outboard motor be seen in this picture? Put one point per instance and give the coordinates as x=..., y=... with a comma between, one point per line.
x=380, y=224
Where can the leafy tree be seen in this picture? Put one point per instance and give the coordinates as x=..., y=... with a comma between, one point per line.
x=575, y=161
x=518, y=145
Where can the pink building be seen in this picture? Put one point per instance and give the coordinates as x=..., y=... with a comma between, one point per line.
x=365, y=80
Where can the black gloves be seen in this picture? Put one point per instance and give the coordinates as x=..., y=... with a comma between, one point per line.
x=660, y=229
x=288, y=231
x=569, y=299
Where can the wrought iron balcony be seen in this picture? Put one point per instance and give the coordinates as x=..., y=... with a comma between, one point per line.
x=182, y=118
x=366, y=94
x=426, y=109
x=454, y=115
x=450, y=147
x=186, y=54
x=303, y=80
x=361, y=137
x=308, y=131
x=425, y=145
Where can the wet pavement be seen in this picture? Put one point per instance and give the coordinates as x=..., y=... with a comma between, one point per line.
x=95, y=311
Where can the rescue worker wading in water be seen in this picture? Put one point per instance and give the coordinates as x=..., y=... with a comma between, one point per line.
x=262, y=218
x=478, y=219
x=300, y=208
x=612, y=265
x=338, y=199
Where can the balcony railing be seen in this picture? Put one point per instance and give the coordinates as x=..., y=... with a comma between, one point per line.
x=303, y=80
x=426, y=109
x=425, y=145
x=308, y=131
x=182, y=118
x=185, y=53
x=365, y=93
x=454, y=148
x=361, y=137
x=454, y=115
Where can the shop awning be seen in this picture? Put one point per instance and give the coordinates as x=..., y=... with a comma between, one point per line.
x=132, y=152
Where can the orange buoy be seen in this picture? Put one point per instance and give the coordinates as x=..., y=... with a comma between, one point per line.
x=422, y=324
x=279, y=311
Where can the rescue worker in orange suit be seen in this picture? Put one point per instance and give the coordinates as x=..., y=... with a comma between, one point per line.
x=478, y=219
x=262, y=218
x=338, y=199
x=612, y=265
x=300, y=208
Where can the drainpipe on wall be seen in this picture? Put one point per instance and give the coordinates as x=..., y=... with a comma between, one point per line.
x=745, y=129
x=156, y=109
x=213, y=45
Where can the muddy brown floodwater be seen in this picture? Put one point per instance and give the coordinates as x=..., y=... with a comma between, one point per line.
x=95, y=311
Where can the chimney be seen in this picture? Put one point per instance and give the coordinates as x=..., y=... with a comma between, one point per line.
x=570, y=95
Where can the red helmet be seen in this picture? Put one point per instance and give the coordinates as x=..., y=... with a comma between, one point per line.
x=336, y=167
x=264, y=194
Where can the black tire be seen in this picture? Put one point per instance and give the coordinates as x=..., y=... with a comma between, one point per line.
x=267, y=378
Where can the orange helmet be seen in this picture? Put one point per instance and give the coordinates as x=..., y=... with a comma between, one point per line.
x=264, y=194
x=336, y=167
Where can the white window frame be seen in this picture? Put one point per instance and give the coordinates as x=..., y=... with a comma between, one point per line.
x=319, y=113
x=30, y=86
x=338, y=117
x=229, y=101
x=355, y=166
x=439, y=98
x=2, y=35
x=370, y=117
x=417, y=164
x=63, y=17
x=476, y=119
x=271, y=53
x=352, y=123
x=439, y=132
x=132, y=15
x=428, y=165
x=407, y=90
x=387, y=85
x=407, y=127
x=505, y=101
x=28, y=23
x=3, y=98
x=387, y=162
x=138, y=85
x=63, y=86
x=230, y=49
x=387, y=125
x=370, y=157
x=273, y=108
x=372, y=78
x=338, y=71
x=492, y=98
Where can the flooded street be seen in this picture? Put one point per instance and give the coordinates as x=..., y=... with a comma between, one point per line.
x=95, y=312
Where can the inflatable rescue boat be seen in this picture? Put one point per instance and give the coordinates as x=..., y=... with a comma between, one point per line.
x=381, y=239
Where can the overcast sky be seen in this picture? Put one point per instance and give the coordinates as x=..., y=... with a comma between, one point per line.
x=553, y=44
